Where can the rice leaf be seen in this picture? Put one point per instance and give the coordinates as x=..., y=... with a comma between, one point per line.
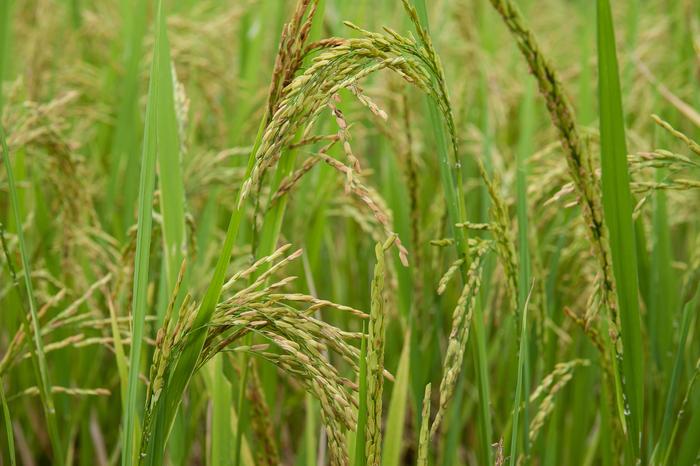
x=172, y=192
x=395, y=421
x=8, y=424
x=123, y=173
x=662, y=449
x=151, y=146
x=221, y=415
x=617, y=206
x=525, y=144
x=520, y=398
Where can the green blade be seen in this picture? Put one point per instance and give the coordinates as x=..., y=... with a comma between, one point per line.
x=395, y=422
x=617, y=205
x=143, y=244
x=522, y=367
x=172, y=191
x=8, y=424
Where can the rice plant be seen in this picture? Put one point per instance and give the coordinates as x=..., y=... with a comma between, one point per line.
x=312, y=232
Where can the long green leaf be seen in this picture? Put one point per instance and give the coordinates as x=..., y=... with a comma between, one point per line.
x=221, y=416
x=172, y=192
x=522, y=366
x=151, y=146
x=662, y=449
x=617, y=205
x=395, y=421
x=8, y=424
x=664, y=302
x=123, y=164
x=523, y=152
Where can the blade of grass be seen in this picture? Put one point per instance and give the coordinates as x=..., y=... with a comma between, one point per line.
x=172, y=192
x=32, y=327
x=172, y=196
x=75, y=13
x=8, y=424
x=247, y=458
x=310, y=432
x=395, y=421
x=221, y=416
x=617, y=207
x=241, y=408
x=522, y=367
x=664, y=301
x=607, y=450
x=123, y=164
x=662, y=449
x=524, y=150
x=688, y=452
x=5, y=13
x=151, y=147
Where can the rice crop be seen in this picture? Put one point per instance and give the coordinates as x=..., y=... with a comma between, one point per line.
x=368, y=233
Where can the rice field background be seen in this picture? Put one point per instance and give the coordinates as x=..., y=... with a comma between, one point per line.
x=309, y=232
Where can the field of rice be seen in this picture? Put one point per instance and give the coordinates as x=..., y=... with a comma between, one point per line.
x=349, y=233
